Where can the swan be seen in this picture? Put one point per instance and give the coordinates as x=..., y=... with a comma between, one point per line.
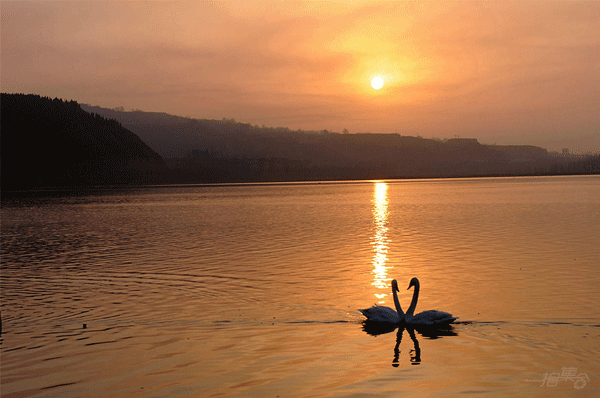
x=425, y=318
x=383, y=314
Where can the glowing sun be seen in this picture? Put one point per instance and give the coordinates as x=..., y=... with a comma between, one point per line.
x=377, y=83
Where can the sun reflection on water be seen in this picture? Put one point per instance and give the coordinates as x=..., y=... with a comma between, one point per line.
x=380, y=240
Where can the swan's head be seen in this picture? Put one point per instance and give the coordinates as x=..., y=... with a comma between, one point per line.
x=413, y=282
x=395, y=286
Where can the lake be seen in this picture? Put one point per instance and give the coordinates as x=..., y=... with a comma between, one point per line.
x=253, y=289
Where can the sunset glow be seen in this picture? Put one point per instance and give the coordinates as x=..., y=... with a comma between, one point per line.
x=501, y=72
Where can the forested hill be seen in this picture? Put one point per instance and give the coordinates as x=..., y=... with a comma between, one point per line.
x=50, y=142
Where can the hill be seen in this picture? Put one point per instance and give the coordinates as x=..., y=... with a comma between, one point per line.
x=202, y=150
x=51, y=142
x=55, y=143
x=281, y=153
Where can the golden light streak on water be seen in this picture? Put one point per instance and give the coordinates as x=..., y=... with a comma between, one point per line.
x=380, y=240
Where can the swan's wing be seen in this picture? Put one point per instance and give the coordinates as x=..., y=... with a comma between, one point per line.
x=367, y=311
x=433, y=317
x=381, y=314
x=377, y=310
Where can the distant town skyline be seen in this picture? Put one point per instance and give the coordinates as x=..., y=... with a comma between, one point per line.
x=523, y=73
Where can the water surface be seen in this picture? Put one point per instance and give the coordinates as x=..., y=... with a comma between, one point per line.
x=252, y=290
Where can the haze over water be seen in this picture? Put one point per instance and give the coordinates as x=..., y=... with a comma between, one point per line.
x=253, y=290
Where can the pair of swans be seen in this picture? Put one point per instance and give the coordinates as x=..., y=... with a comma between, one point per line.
x=388, y=315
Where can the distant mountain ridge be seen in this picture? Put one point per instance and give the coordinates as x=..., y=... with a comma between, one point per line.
x=391, y=155
x=51, y=142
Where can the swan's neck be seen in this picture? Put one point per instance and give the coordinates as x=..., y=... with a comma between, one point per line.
x=397, y=303
x=413, y=303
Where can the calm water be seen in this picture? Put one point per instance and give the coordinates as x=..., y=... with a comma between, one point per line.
x=252, y=290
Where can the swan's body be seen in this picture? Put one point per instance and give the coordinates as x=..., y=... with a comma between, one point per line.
x=385, y=314
x=378, y=313
x=425, y=318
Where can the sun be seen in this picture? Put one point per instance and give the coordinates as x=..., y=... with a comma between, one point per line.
x=377, y=82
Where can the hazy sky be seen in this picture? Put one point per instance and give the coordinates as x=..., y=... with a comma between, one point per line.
x=506, y=72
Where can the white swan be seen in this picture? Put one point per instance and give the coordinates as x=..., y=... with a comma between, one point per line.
x=425, y=318
x=385, y=314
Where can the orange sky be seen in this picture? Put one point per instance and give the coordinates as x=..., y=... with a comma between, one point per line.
x=505, y=72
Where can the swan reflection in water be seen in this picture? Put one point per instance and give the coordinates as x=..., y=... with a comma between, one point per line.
x=378, y=328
